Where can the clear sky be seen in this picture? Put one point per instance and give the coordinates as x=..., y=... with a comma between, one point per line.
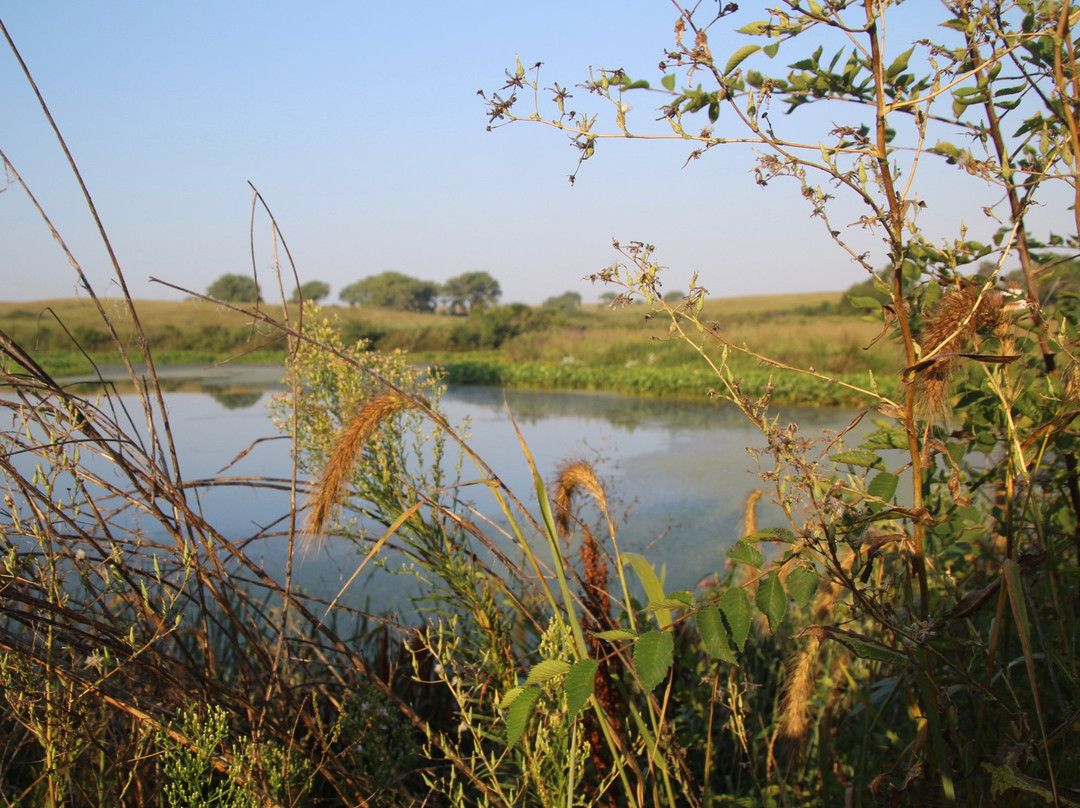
x=360, y=125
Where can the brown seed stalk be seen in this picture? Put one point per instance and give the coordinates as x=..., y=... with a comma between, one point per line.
x=574, y=476
x=330, y=489
x=798, y=686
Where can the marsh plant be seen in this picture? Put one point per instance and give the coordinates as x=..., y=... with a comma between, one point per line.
x=905, y=636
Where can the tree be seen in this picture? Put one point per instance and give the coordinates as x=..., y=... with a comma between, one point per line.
x=469, y=291
x=392, y=290
x=311, y=290
x=235, y=289
x=567, y=301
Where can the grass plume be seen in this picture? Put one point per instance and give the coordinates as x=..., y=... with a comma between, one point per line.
x=350, y=443
x=574, y=476
x=798, y=688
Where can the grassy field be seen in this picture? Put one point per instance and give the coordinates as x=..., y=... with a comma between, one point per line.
x=591, y=347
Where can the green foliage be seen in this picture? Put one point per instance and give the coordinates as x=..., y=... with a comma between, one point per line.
x=192, y=768
x=567, y=301
x=235, y=289
x=469, y=291
x=312, y=291
x=392, y=290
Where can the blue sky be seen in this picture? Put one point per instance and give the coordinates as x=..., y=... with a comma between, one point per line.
x=360, y=125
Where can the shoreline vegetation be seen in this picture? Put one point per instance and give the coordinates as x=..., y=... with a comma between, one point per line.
x=587, y=347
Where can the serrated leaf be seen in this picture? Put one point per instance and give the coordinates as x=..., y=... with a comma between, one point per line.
x=772, y=599
x=682, y=596
x=518, y=716
x=739, y=56
x=546, y=670
x=710, y=626
x=669, y=82
x=509, y=696
x=580, y=681
x=801, y=585
x=746, y=553
x=615, y=635
x=858, y=457
x=654, y=652
x=735, y=606
x=883, y=486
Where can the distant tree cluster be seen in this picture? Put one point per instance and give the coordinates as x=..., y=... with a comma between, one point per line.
x=235, y=289
x=312, y=290
x=461, y=294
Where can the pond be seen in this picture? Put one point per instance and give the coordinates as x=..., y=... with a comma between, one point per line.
x=678, y=472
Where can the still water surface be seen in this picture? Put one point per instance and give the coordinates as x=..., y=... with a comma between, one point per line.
x=678, y=472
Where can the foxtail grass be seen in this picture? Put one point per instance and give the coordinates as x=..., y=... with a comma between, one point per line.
x=330, y=489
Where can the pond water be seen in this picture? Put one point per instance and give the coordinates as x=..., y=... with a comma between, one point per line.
x=677, y=471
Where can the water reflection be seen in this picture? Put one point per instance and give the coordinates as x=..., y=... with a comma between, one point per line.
x=233, y=399
x=678, y=471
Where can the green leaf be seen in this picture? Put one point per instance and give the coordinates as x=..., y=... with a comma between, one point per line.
x=546, y=670
x=739, y=56
x=772, y=534
x=899, y=64
x=580, y=682
x=735, y=606
x=710, y=626
x=682, y=596
x=519, y=713
x=883, y=486
x=669, y=82
x=864, y=647
x=509, y=696
x=654, y=653
x=859, y=457
x=771, y=50
x=771, y=599
x=864, y=302
x=664, y=603
x=615, y=635
x=745, y=553
x=653, y=590
x=802, y=583
x=755, y=28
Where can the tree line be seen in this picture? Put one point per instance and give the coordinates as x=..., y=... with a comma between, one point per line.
x=460, y=294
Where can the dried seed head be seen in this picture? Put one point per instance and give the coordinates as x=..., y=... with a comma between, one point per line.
x=350, y=443
x=750, y=522
x=574, y=476
x=953, y=324
x=798, y=686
